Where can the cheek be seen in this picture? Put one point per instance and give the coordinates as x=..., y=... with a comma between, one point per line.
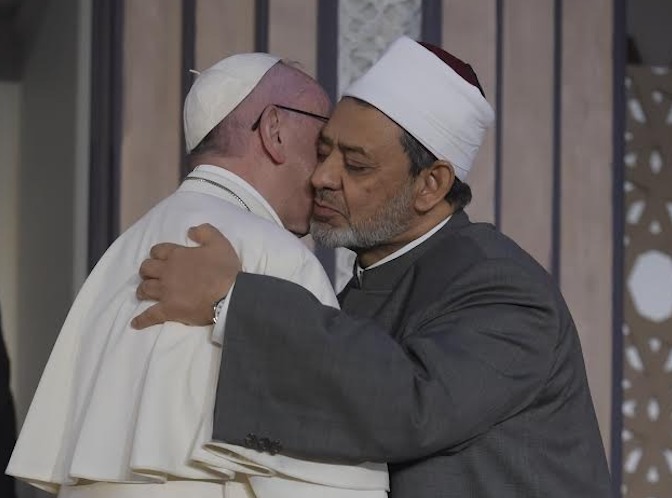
x=364, y=198
x=357, y=198
x=301, y=189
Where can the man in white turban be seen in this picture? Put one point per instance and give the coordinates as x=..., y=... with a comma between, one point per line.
x=454, y=357
x=123, y=415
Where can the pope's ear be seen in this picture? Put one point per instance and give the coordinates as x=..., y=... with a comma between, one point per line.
x=271, y=133
x=433, y=184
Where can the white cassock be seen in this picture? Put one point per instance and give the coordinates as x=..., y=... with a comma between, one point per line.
x=126, y=414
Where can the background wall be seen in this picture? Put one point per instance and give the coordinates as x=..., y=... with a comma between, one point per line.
x=10, y=125
x=39, y=135
x=46, y=192
x=544, y=176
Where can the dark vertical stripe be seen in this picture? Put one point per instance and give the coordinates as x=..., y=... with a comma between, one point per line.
x=619, y=58
x=188, y=62
x=327, y=75
x=327, y=46
x=556, y=222
x=261, y=26
x=431, y=21
x=499, y=71
x=107, y=39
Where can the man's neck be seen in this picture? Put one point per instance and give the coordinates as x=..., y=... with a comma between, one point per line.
x=422, y=225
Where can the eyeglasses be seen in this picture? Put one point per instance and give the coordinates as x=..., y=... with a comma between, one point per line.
x=291, y=109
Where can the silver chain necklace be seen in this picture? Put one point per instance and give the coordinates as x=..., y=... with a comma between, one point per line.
x=212, y=182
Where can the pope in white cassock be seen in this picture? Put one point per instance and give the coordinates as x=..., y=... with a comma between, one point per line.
x=126, y=414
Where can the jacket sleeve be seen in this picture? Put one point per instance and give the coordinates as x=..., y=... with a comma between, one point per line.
x=330, y=386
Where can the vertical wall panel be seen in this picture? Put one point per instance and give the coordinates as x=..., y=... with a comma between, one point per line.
x=293, y=32
x=586, y=210
x=430, y=30
x=366, y=29
x=104, y=148
x=327, y=74
x=10, y=145
x=151, y=105
x=46, y=192
x=527, y=126
x=620, y=55
x=470, y=33
x=223, y=28
x=188, y=33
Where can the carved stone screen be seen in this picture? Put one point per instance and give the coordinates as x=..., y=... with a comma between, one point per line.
x=647, y=368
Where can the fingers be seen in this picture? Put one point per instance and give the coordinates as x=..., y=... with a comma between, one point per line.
x=204, y=234
x=162, y=251
x=151, y=268
x=150, y=289
x=151, y=316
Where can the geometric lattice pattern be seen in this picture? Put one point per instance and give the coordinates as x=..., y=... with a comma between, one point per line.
x=367, y=27
x=647, y=369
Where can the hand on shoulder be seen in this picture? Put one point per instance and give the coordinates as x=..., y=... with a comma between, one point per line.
x=187, y=281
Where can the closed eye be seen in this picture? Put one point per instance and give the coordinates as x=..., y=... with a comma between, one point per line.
x=356, y=168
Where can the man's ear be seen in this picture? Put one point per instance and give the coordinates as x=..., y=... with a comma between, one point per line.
x=433, y=184
x=270, y=131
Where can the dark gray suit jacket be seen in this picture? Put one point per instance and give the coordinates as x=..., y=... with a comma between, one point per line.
x=458, y=363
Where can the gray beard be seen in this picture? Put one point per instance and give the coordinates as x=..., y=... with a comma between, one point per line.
x=390, y=220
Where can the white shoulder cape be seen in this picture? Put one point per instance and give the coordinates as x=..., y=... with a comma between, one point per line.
x=119, y=405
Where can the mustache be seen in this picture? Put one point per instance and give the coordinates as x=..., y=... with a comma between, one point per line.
x=327, y=197
x=330, y=199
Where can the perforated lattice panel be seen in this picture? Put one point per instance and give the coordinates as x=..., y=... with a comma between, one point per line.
x=647, y=372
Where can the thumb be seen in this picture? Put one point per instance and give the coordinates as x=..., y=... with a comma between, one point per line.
x=204, y=234
x=151, y=316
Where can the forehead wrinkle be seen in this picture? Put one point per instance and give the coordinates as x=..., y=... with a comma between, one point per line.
x=344, y=147
x=357, y=149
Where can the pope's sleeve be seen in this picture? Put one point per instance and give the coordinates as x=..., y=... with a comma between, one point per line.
x=330, y=386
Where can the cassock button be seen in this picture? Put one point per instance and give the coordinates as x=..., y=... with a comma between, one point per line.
x=264, y=444
x=250, y=441
x=275, y=448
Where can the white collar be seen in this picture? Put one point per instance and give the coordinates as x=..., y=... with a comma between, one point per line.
x=400, y=252
x=240, y=188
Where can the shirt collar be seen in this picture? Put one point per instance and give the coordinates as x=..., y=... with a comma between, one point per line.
x=240, y=187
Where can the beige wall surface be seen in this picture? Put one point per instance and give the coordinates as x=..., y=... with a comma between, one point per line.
x=470, y=33
x=527, y=126
x=586, y=213
x=292, y=32
x=152, y=107
x=222, y=29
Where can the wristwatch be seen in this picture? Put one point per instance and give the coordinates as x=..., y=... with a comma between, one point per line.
x=217, y=309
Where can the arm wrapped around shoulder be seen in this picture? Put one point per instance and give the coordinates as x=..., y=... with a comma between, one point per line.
x=331, y=386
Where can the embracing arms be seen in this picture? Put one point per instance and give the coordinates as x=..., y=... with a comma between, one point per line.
x=327, y=385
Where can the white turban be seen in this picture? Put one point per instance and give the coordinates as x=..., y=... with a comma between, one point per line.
x=421, y=90
x=218, y=90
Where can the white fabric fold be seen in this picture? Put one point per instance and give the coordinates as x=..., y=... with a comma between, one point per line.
x=116, y=405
